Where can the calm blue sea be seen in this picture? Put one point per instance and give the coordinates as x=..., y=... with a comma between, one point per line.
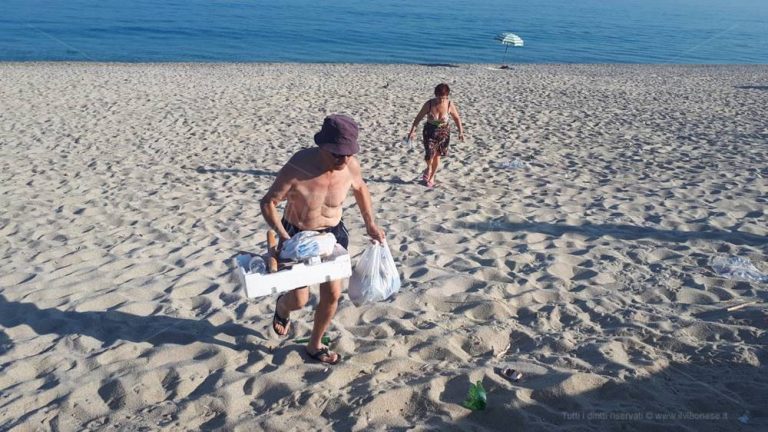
x=382, y=31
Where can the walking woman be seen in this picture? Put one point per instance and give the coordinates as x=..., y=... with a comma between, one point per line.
x=437, y=130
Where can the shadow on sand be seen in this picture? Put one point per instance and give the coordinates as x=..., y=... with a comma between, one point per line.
x=448, y=65
x=626, y=232
x=679, y=397
x=391, y=180
x=214, y=170
x=109, y=326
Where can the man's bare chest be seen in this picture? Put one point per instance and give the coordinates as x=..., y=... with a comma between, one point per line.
x=325, y=189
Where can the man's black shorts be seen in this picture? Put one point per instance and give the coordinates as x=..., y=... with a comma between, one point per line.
x=339, y=231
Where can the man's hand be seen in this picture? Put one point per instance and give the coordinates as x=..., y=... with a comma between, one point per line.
x=375, y=233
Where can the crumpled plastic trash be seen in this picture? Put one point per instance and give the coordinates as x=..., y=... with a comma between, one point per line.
x=511, y=374
x=257, y=265
x=307, y=244
x=736, y=267
x=513, y=164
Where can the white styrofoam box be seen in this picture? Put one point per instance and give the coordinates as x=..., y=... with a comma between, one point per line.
x=336, y=266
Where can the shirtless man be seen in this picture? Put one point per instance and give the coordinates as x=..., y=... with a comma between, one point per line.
x=315, y=181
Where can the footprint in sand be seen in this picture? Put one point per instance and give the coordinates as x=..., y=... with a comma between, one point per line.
x=113, y=394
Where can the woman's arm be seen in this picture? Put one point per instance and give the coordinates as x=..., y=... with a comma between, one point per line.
x=456, y=119
x=417, y=120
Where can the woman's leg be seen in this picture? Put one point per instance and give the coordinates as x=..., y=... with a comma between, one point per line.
x=428, y=153
x=433, y=164
x=427, y=141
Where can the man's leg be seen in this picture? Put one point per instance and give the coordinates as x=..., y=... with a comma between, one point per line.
x=330, y=292
x=287, y=303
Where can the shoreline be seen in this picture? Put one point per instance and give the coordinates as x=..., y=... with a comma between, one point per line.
x=447, y=65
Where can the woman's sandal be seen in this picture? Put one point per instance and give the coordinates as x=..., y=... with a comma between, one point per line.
x=324, y=355
x=424, y=176
x=277, y=319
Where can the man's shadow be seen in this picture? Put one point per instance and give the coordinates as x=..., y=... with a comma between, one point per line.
x=109, y=326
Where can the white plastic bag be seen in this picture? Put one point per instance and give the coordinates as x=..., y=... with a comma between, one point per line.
x=307, y=244
x=374, y=277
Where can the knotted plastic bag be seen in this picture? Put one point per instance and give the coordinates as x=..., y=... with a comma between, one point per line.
x=374, y=277
x=307, y=244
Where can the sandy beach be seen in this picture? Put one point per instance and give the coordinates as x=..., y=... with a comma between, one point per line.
x=570, y=237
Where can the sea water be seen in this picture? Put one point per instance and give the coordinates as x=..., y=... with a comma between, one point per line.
x=381, y=31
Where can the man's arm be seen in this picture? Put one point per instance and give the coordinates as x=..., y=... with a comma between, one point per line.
x=363, y=199
x=277, y=193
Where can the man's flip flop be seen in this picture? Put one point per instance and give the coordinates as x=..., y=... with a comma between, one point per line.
x=277, y=319
x=324, y=355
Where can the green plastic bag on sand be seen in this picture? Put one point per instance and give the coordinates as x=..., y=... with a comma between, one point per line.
x=476, y=398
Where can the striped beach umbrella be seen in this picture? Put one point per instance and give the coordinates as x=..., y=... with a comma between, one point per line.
x=509, y=39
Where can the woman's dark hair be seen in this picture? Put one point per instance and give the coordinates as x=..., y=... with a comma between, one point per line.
x=442, y=90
